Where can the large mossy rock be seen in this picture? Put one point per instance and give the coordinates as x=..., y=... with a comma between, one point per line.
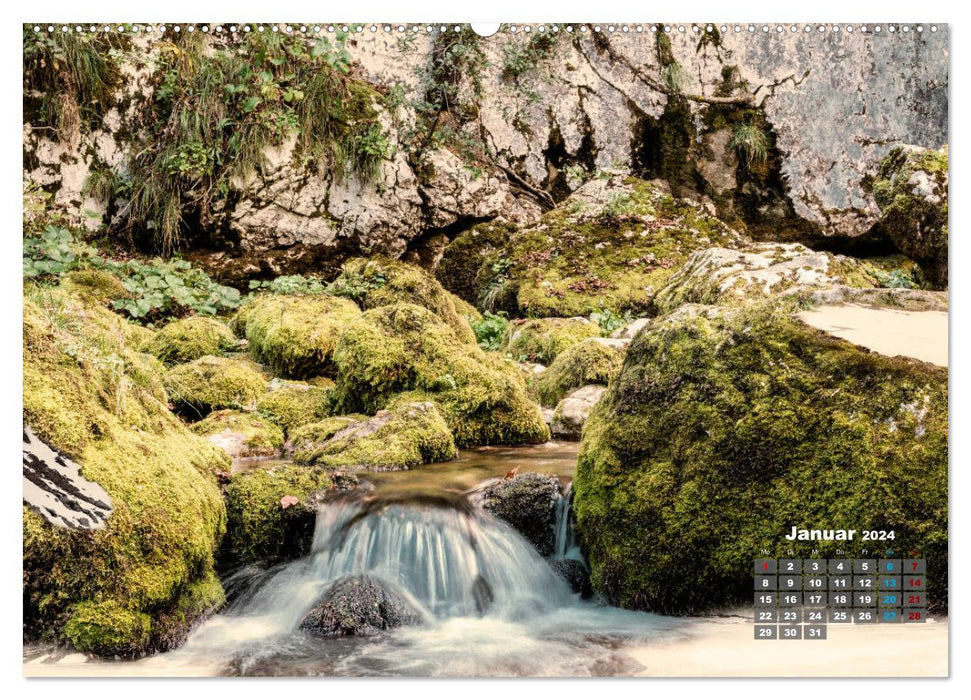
x=911, y=190
x=189, y=339
x=271, y=513
x=725, y=276
x=407, y=436
x=295, y=335
x=140, y=582
x=542, y=339
x=358, y=606
x=406, y=348
x=611, y=245
x=725, y=429
x=374, y=282
x=241, y=434
x=594, y=361
x=211, y=383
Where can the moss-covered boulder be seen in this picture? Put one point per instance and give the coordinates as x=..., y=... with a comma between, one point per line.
x=295, y=335
x=611, y=245
x=241, y=434
x=725, y=276
x=140, y=582
x=540, y=340
x=724, y=430
x=98, y=286
x=189, y=339
x=910, y=188
x=210, y=383
x=293, y=405
x=408, y=436
x=271, y=513
x=406, y=348
x=461, y=265
x=594, y=361
x=374, y=282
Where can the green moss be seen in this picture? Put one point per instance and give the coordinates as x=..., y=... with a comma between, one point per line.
x=911, y=189
x=189, y=339
x=107, y=629
x=292, y=406
x=259, y=526
x=406, y=348
x=304, y=437
x=612, y=245
x=95, y=285
x=465, y=254
x=408, y=436
x=720, y=434
x=295, y=335
x=87, y=393
x=465, y=309
x=257, y=436
x=203, y=385
x=374, y=282
x=542, y=339
x=589, y=362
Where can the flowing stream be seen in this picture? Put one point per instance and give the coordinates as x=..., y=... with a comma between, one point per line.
x=490, y=605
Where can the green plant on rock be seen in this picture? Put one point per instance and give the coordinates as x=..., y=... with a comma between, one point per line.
x=490, y=331
x=215, y=112
x=209, y=383
x=189, y=339
x=609, y=320
x=751, y=142
x=70, y=77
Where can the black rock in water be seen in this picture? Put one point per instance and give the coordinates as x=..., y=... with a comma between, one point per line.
x=358, y=606
x=575, y=574
x=528, y=503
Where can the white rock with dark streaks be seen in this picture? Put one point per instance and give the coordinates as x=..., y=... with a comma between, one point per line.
x=54, y=488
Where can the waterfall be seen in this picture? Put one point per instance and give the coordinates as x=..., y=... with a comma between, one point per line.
x=565, y=543
x=451, y=560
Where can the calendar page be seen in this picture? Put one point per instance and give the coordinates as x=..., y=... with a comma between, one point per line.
x=395, y=349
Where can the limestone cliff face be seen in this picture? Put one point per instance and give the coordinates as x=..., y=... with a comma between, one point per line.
x=779, y=131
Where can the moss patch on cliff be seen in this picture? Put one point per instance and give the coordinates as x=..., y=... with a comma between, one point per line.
x=720, y=433
x=406, y=348
x=203, y=385
x=295, y=335
x=589, y=362
x=542, y=339
x=189, y=339
x=408, y=436
x=88, y=393
x=261, y=525
x=610, y=246
x=459, y=268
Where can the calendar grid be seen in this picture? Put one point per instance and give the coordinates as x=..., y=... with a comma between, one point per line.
x=801, y=598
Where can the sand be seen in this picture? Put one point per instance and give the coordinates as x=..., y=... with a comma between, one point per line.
x=727, y=647
x=918, y=334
